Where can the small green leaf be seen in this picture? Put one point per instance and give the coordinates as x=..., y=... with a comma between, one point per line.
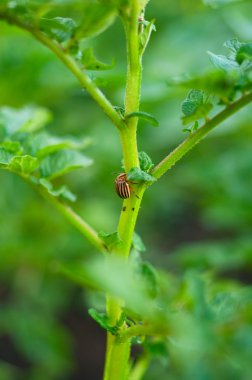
x=43, y=144
x=58, y=28
x=120, y=110
x=24, y=164
x=216, y=82
x=62, y=191
x=233, y=45
x=137, y=243
x=12, y=147
x=148, y=274
x=26, y=119
x=223, y=63
x=144, y=116
x=102, y=320
x=90, y=62
x=97, y=18
x=145, y=162
x=157, y=349
x=112, y=240
x=144, y=37
x=62, y=162
x=5, y=156
x=193, y=101
x=244, y=52
x=136, y=174
x=195, y=106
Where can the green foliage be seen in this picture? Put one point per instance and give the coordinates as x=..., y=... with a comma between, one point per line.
x=144, y=116
x=244, y=52
x=112, y=241
x=58, y=28
x=196, y=106
x=192, y=321
x=102, y=320
x=36, y=155
x=137, y=243
x=90, y=62
x=23, y=164
x=224, y=63
x=62, y=191
x=148, y=28
x=145, y=162
x=233, y=76
x=62, y=162
x=136, y=174
x=27, y=119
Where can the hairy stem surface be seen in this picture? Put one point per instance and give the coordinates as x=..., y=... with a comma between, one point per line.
x=118, y=352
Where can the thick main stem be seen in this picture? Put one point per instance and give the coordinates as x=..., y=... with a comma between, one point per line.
x=117, y=354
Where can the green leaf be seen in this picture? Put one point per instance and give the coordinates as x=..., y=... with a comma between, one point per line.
x=193, y=101
x=5, y=156
x=24, y=164
x=224, y=63
x=120, y=110
x=137, y=243
x=43, y=144
x=144, y=116
x=214, y=82
x=136, y=174
x=142, y=4
x=118, y=278
x=28, y=119
x=62, y=191
x=97, y=18
x=145, y=162
x=195, y=106
x=62, y=162
x=102, y=320
x=12, y=147
x=233, y=45
x=244, y=52
x=157, y=349
x=148, y=274
x=112, y=240
x=90, y=62
x=148, y=28
x=58, y=28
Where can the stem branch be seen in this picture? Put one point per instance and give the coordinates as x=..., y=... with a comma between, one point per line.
x=80, y=224
x=194, y=138
x=73, y=66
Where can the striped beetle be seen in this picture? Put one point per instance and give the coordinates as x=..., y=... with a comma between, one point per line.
x=122, y=186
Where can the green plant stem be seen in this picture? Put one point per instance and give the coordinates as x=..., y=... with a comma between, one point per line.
x=117, y=353
x=85, y=229
x=73, y=66
x=195, y=138
x=129, y=147
x=140, y=368
x=133, y=83
x=142, y=330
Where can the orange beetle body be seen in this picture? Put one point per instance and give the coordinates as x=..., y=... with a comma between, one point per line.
x=122, y=186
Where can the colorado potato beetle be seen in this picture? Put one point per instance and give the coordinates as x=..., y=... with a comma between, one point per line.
x=122, y=186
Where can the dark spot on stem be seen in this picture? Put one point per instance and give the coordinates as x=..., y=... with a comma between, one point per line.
x=124, y=208
x=133, y=209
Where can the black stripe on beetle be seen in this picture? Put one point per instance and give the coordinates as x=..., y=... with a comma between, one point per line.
x=122, y=186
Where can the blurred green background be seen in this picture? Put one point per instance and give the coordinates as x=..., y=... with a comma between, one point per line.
x=197, y=216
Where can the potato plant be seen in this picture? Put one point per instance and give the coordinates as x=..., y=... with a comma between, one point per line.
x=181, y=322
